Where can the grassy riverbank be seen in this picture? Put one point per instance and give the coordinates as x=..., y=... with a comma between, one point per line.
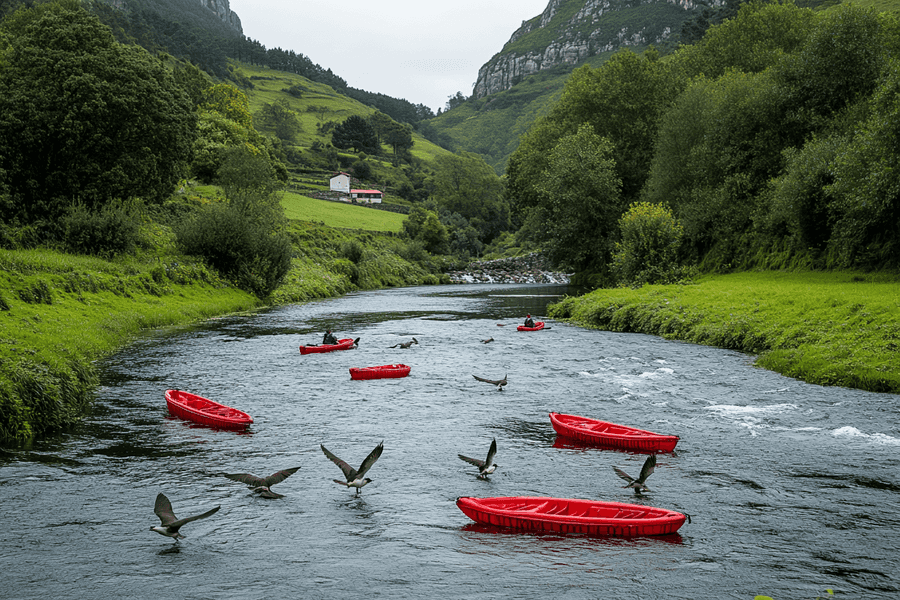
x=824, y=328
x=60, y=312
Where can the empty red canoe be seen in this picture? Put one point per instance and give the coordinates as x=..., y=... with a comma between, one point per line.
x=538, y=325
x=567, y=515
x=382, y=372
x=343, y=344
x=623, y=437
x=206, y=412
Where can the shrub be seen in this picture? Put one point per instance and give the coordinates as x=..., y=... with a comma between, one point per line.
x=113, y=229
x=648, y=252
x=241, y=239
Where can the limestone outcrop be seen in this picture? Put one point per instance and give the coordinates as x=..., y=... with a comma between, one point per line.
x=598, y=26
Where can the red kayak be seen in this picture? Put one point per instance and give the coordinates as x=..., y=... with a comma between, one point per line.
x=567, y=515
x=622, y=437
x=538, y=325
x=382, y=372
x=206, y=412
x=343, y=344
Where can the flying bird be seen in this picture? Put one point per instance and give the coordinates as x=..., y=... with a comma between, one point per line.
x=263, y=485
x=171, y=525
x=639, y=483
x=486, y=466
x=355, y=476
x=498, y=382
x=406, y=344
x=487, y=341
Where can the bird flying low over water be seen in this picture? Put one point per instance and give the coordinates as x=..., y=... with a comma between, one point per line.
x=355, y=476
x=639, y=483
x=498, y=382
x=263, y=485
x=406, y=344
x=486, y=466
x=171, y=525
x=487, y=341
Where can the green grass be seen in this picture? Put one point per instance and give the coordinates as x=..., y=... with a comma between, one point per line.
x=271, y=85
x=335, y=214
x=824, y=328
x=60, y=312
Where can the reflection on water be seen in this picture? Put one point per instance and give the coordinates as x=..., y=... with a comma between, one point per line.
x=791, y=488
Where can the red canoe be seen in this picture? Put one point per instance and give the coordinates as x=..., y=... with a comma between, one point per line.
x=206, y=412
x=343, y=344
x=623, y=437
x=538, y=325
x=567, y=515
x=381, y=372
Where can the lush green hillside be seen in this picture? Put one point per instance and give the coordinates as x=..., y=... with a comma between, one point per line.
x=315, y=105
x=491, y=126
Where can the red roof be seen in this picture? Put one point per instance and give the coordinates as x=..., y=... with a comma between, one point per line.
x=365, y=191
x=340, y=173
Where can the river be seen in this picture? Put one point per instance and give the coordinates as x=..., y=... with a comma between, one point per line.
x=791, y=488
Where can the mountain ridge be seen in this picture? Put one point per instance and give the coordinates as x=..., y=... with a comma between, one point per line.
x=571, y=31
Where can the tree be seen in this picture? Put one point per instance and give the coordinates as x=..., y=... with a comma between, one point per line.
x=243, y=237
x=85, y=118
x=840, y=61
x=229, y=102
x=424, y=226
x=279, y=116
x=582, y=201
x=463, y=183
x=648, y=252
x=865, y=193
x=355, y=132
x=623, y=100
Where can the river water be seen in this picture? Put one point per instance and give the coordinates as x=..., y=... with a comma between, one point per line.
x=791, y=488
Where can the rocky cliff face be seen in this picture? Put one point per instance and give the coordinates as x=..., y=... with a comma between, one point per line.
x=598, y=26
x=224, y=12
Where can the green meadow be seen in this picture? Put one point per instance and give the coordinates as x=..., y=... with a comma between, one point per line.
x=60, y=312
x=335, y=214
x=834, y=328
x=316, y=104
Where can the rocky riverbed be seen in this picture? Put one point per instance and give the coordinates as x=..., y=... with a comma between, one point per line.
x=531, y=268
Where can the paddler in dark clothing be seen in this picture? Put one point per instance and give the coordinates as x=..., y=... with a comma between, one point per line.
x=529, y=322
x=329, y=338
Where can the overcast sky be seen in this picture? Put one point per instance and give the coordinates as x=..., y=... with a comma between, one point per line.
x=422, y=51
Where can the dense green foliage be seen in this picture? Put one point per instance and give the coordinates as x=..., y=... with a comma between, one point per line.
x=83, y=118
x=243, y=237
x=787, y=319
x=648, y=252
x=772, y=139
x=469, y=195
x=578, y=201
x=355, y=132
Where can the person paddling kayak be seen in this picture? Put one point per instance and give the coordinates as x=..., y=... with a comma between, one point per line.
x=529, y=322
x=329, y=338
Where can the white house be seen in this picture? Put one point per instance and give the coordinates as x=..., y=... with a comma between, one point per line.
x=340, y=182
x=367, y=196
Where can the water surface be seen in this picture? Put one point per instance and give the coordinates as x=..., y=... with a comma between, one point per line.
x=791, y=488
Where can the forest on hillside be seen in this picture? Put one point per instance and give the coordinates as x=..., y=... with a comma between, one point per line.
x=769, y=143
x=97, y=138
